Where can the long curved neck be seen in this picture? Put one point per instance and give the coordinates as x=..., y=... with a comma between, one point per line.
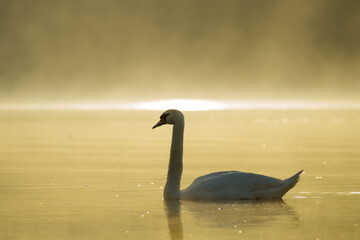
x=172, y=187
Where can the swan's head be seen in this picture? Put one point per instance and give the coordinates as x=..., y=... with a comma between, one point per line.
x=171, y=116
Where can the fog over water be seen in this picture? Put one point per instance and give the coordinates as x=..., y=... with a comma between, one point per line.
x=65, y=51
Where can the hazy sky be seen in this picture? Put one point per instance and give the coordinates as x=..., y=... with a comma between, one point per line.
x=156, y=49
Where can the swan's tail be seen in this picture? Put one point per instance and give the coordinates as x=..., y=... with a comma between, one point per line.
x=292, y=181
x=278, y=192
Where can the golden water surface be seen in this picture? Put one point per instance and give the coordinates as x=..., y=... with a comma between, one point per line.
x=99, y=175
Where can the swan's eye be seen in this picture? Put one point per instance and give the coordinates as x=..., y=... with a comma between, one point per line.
x=164, y=116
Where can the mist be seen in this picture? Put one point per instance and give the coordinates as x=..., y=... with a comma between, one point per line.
x=130, y=50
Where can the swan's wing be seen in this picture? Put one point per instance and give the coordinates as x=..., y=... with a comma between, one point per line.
x=210, y=176
x=229, y=185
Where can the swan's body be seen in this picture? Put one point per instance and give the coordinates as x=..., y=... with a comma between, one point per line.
x=227, y=185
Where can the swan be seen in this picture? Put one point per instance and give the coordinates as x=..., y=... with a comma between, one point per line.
x=225, y=185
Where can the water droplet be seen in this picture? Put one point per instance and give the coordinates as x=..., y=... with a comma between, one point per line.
x=240, y=231
x=152, y=183
x=139, y=185
x=245, y=221
x=127, y=231
x=161, y=187
x=142, y=215
x=116, y=195
x=284, y=120
x=219, y=209
x=235, y=226
x=148, y=212
x=318, y=177
x=264, y=145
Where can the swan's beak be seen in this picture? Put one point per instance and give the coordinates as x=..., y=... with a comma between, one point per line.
x=161, y=122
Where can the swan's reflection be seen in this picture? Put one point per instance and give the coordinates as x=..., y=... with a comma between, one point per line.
x=235, y=214
x=172, y=208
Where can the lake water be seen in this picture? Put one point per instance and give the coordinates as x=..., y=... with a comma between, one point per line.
x=99, y=175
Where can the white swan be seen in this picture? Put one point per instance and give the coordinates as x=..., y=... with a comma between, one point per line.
x=227, y=185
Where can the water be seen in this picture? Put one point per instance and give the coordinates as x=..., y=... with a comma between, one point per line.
x=99, y=175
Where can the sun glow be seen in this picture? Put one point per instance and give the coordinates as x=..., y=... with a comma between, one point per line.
x=183, y=105
x=180, y=104
x=206, y=105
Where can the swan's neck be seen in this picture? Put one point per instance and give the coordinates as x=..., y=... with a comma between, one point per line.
x=172, y=187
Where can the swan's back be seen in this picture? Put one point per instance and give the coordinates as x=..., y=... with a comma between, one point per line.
x=231, y=185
